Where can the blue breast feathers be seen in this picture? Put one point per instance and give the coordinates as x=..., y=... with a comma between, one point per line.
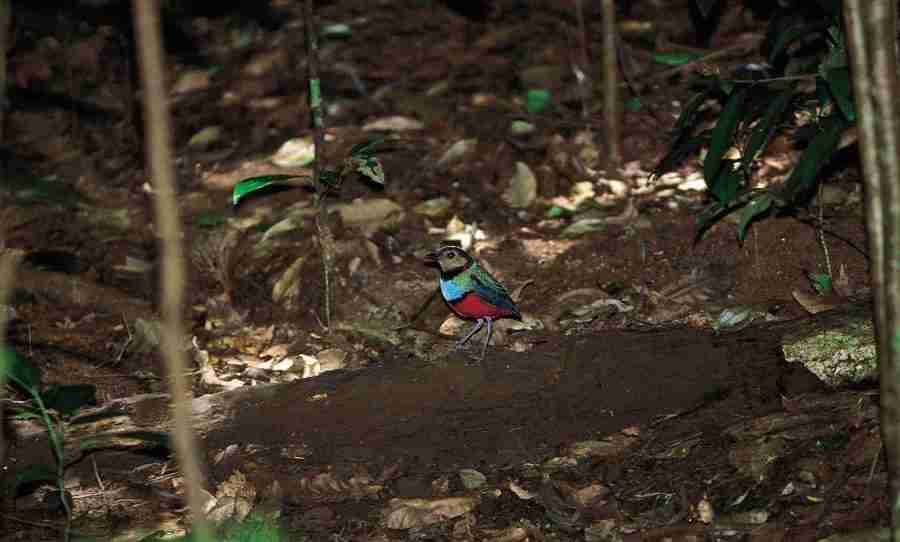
x=451, y=291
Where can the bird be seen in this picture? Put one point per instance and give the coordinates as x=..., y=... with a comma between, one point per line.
x=471, y=292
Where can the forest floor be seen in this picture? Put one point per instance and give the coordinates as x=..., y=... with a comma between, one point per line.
x=696, y=430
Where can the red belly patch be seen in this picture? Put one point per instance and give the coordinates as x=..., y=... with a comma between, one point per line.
x=472, y=306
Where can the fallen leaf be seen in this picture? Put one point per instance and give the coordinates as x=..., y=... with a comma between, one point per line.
x=403, y=514
x=522, y=190
x=393, y=124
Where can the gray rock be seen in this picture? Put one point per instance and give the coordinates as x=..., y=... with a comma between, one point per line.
x=837, y=356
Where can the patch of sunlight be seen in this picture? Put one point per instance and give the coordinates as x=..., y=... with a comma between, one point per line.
x=546, y=250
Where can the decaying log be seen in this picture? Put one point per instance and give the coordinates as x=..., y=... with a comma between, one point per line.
x=580, y=386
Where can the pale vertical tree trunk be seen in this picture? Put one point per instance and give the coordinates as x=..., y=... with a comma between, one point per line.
x=611, y=101
x=871, y=35
x=158, y=143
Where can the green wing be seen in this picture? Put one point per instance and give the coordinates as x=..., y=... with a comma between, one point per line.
x=490, y=289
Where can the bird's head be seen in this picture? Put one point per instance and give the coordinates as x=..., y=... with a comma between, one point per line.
x=449, y=259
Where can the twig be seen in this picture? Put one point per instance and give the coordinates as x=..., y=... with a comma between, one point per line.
x=805, y=217
x=101, y=485
x=750, y=43
x=159, y=154
x=803, y=77
x=127, y=341
x=872, y=467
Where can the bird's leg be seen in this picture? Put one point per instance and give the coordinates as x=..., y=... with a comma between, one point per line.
x=478, y=325
x=487, y=339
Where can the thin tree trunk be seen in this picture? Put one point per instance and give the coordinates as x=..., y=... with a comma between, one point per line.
x=158, y=143
x=611, y=103
x=871, y=34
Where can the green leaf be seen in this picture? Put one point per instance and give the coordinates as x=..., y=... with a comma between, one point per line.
x=821, y=283
x=19, y=370
x=725, y=187
x=555, y=212
x=756, y=207
x=536, y=100
x=633, y=104
x=336, y=30
x=710, y=216
x=839, y=84
x=366, y=148
x=330, y=178
x=67, y=399
x=35, y=473
x=684, y=144
x=726, y=86
x=251, y=185
x=722, y=134
x=315, y=101
x=835, y=70
x=675, y=59
x=805, y=174
x=837, y=51
x=824, y=99
x=368, y=167
x=24, y=414
x=688, y=117
x=762, y=132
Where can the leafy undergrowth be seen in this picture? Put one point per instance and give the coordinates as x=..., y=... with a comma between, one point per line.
x=705, y=433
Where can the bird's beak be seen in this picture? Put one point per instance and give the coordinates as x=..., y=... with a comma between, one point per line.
x=431, y=259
